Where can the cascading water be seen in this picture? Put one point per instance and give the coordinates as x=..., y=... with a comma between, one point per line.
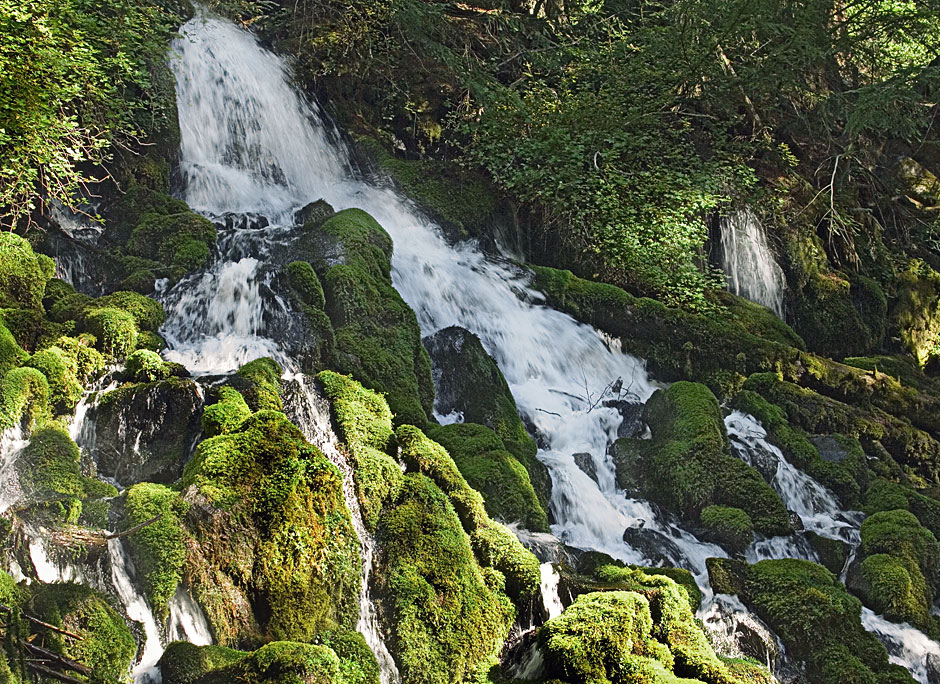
x=907, y=646
x=748, y=261
x=187, y=621
x=12, y=443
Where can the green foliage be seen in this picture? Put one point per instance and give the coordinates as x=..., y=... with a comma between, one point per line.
x=159, y=547
x=106, y=643
x=76, y=78
x=730, y=527
x=445, y=614
x=146, y=366
x=279, y=528
x=377, y=335
x=23, y=274
x=115, y=331
x=817, y=620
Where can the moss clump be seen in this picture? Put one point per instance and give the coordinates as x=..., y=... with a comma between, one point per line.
x=272, y=526
x=61, y=371
x=899, y=572
x=49, y=468
x=146, y=366
x=648, y=633
x=159, y=548
x=106, y=644
x=303, y=279
x=181, y=241
x=493, y=544
x=377, y=335
x=259, y=382
x=147, y=313
x=729, y=527
x=446, y=615
x=916, y=314
x=23, y=273
x=688, y=466
x=114, y=329
x=226, y=414
x=364, y=422
x=186, y=663
x=320, y=344
x=11, y=354
x=482, y=459
x=884, y=495
x=470, y=382
x=817, y=620
x=24, y=398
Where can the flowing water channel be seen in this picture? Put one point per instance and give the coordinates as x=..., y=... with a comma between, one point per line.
x=253, y=152
x=748, y=261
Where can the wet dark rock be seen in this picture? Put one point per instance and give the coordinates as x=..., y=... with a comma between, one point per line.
x=829, y=448
x=655, y=547
x=796, y=522
x=763, y=460
x=145, y=432
x=832, y=552
x=627, y=455
x=632, y=413
x=233, y=221
x=933, y=668
x=314, y=214
x=586, y=463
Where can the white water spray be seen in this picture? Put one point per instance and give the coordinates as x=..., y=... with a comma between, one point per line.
x=748, y=261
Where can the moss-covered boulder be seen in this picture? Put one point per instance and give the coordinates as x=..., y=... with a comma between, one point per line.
x=817, y=620
x=114, y=329
x=915, y=317
x=447, y=617
x=884, y=495
x=146, y=431
x=24, y=398
x=274, y=551
x=146, y=366
x=259, y=383
x=23, y=273
x=279, y=662
x=900, y=567
x=181, y=242
x=106, y=644
x=730, y=527
x=226, y=414
x=313, y=345
x=647, y=633
x=67, y=368
x=490, y=469
x=687, y=465
x=468, y=381
x=377, y=335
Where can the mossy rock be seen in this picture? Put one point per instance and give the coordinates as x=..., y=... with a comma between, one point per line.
x=817, y=620
x=106, y=644
x=482, y=459
x=226, y=414
x=61, y=372
x=916, y=314
x=259, y=383
x=114, y=329
x=181, y=241
x=11, y=354
x=468, y=381
x=159, y=547
x=32, y=330
x=186, y=663
x=446, y=615
x=24, y=398
x=272, y=532
x=23, y=273
x=884, y=495
x=146, y=366
x=377, y=335
x=687, y=465
x=147, y=313
x=364, y=423
x=730, y=527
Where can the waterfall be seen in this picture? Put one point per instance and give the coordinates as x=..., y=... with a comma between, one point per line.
x=907, y=646
x=187, y=621
x=311, y=412
x=748, y=261
x=548, y=588
x=12, y=443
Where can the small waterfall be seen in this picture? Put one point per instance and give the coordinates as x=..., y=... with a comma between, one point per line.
x=748, y=261
x=907, y=646
x=311, y=412
x=549, y=590
x=729, y=623
x=136, y=608
x=49, y=567
x=187, y=621
x=12, y=443
x=817, y=506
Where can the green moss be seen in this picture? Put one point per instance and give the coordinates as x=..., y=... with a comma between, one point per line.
x=883, y=495
x=11, y=355
x=286, y=536
x=23, y=273
x=259, y=382
x=491, y=470
x=159, y=548
x=141, y=199
x=902, y=368
x=303, y=279
x=106, y=644
x=357, y=663
x=901, y=566
x=32, y=330
x=817, y=620
x=320, y=343
x=227, y=414
x=145, y=366
x=49, y=465
x=688, y=466
x=185, y=663
x=445, y=615
x=759, y=320
x=730, y=527
x=147, y=313
x=61, y=371
x=181, y=241
x=377, y=335
x=115, y=331
x=914, y=317
x=493, y=544
x=147, y=339
x=24, y=398
x=364, y=422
